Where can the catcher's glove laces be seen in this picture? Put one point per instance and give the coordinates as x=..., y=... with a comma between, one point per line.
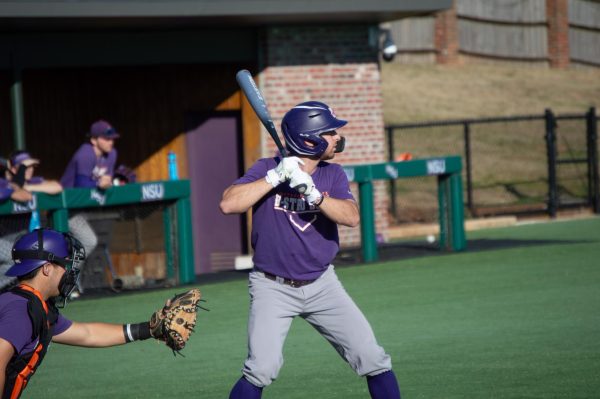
x=176, y=321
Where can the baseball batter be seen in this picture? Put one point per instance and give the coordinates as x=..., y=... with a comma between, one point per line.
x=295, y=239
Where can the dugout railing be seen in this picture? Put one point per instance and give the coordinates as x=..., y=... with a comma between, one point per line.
x=515, y=164
x=447, y=170
x=159, y=207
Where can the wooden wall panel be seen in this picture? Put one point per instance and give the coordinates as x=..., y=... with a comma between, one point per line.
x=6, y=132
x=155, y=166
x=147, y=105
x=153, y=264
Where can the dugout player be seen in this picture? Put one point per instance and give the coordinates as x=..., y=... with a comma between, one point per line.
x=21, y=167
x=94, y=162
x=47, y=267
x=20, y=172
x=295, y=238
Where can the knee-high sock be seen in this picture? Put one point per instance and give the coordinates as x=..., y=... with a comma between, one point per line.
x=245, y=390
x=384, y=386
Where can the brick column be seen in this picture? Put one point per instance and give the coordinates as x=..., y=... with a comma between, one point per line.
x=336, y=65
x=557, y=16
x=446, y=36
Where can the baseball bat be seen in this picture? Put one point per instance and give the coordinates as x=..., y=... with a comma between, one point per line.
x=259, y=105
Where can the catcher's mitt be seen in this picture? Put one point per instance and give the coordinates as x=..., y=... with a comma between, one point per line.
x=175, y=322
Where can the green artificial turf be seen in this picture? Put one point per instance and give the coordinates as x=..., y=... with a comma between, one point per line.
x=519, y=322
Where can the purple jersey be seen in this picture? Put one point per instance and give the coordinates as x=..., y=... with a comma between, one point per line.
x=85, y=168
x=15, y=324
x=5, y=190
x=291, y=238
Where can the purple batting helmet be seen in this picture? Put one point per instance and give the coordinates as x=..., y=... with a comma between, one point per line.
x=305, y=123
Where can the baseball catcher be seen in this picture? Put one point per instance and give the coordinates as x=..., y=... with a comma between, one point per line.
x=47, y=265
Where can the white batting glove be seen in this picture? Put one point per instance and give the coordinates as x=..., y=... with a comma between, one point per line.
x=304, y=184
x=283, y=170
x=314, y=197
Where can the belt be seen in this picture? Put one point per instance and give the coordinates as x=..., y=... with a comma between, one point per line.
x=288, y=281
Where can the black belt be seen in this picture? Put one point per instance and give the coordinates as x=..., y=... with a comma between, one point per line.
x=288, y=281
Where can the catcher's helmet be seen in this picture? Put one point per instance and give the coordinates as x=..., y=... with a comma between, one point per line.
x=32, y=250
x=306, y=122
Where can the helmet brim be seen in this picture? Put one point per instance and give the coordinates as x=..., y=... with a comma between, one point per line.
x=334, y=125
x=24, y=267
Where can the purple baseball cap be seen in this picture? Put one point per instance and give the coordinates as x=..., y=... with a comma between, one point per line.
x=23, y=157
x=104, y=129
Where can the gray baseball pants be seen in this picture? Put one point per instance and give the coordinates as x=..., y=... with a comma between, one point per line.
x=326, y=305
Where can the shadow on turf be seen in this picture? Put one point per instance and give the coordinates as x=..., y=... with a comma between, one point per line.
x=410, y=249
x=352, y=257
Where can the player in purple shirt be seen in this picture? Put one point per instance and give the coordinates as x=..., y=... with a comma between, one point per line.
x=20, y=171
x=295, y=239
x=47, y=267
x=10, y=190
x=94, y=162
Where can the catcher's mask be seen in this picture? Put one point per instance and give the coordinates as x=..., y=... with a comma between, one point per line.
x=41, y=246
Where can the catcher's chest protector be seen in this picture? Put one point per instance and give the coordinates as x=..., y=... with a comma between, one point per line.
x=21, y=367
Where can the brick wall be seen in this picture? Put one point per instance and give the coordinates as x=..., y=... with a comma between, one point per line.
x=446, y=36
x=335, y=65
x=557, y=15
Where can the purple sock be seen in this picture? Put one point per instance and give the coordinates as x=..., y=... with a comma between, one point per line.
x=384, y=386
x=245, y=390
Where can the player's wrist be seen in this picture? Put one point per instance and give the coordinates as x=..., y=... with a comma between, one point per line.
x=319, y=200
x=272, y=178
x=314, y=197
x=136, y=332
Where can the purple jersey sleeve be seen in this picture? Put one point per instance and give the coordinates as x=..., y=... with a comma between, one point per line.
x=340, y=186
x=85, y=168
x=5, y=190
x=62, y=325
x=15, y=324
x=35, y=180
x=258, y=170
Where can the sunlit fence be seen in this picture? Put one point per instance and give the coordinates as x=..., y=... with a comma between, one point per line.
x=527, y=163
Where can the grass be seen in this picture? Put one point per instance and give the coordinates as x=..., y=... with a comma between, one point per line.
x=521, y=322
x=509, y=160
x=433, y=92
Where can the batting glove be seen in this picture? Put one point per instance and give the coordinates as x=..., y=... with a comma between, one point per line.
x=283, y=171
x=304, y=184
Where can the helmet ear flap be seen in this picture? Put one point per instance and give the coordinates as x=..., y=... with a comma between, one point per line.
x=340, y=145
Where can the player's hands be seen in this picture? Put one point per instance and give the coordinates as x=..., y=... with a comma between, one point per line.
x=304, y=184
x=283, y=171
x=104, y=182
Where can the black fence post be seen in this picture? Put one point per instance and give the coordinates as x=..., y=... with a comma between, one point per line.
x=551, y=152
x=592, y=144
x=390, y=137
x=468, y=168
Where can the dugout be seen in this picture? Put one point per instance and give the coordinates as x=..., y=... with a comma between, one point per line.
x=163, y=73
